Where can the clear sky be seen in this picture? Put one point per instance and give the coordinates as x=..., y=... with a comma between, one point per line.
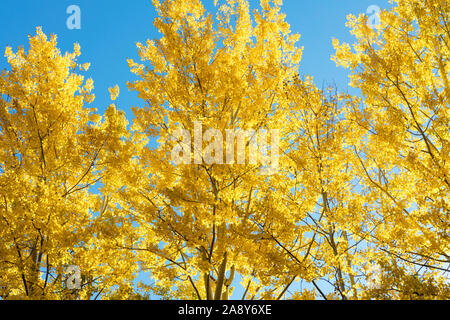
x=110, y=29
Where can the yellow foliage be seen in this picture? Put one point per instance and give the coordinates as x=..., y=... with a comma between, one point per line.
x=359, y=198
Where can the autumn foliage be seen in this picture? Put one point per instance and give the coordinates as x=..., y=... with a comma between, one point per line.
x=356, y=206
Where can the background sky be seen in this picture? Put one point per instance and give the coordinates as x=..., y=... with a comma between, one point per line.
x=110, y=29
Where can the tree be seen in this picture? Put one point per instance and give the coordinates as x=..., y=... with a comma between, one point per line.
x=402, y=69
x=196, y=218
x=53, y=150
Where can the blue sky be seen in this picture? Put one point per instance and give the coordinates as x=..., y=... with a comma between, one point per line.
x=110, y=30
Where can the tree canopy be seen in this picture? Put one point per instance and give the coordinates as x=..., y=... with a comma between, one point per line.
x=257, y=178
